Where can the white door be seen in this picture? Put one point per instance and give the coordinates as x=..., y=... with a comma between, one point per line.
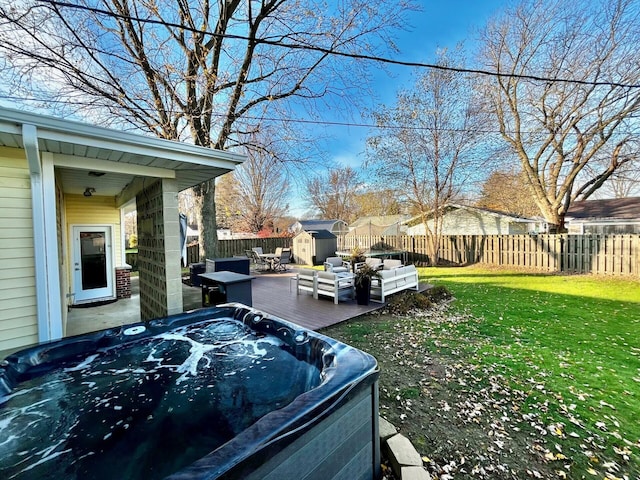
x=92, y=264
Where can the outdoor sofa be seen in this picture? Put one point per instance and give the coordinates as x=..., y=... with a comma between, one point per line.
x=393, y=280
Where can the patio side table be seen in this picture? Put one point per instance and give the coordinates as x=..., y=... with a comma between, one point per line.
x=225, y=287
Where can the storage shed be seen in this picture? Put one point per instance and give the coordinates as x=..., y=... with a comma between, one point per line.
x=313, y=247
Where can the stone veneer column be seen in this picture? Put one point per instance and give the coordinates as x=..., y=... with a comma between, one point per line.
x=159, y=250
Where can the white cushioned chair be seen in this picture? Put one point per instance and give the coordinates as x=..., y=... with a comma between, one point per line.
x=335, y=265
x=330, y=284
x=306, y=281
x=373, y=262
x=390, y=264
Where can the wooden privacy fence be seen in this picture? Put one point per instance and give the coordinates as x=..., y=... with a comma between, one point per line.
x=229, y=248
x=596, y=254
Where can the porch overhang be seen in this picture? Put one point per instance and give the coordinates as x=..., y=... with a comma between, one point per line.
x=122, y=160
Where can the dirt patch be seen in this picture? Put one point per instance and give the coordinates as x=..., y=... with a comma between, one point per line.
x=464, y=421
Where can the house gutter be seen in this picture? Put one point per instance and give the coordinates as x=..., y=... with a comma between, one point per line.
x=47, y=329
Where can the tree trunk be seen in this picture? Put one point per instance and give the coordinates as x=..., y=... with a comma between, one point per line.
x=554, y=219
x=208, y=241
x=434, y=249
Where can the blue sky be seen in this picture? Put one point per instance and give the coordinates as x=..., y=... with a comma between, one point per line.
x=440, y=24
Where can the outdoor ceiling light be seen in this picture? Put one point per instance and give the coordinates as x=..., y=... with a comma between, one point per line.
x=89, y=191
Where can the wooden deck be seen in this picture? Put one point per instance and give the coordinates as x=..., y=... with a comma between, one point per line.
x=276, y=294
x=273, y=293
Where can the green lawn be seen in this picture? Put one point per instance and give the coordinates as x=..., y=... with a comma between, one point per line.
x=571, y=342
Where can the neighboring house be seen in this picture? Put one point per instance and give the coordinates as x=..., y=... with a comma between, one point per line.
x=610, y=216
x=382, y=225
x=337, y=227
x=64, y=188
x=464, y=220
x=314, y=246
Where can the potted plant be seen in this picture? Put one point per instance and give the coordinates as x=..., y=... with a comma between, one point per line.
x=362, y=281
x=357, y=256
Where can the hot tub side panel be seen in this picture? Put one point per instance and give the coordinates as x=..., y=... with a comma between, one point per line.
x=342, y=446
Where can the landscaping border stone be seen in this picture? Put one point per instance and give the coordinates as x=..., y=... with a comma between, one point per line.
x=404, y=459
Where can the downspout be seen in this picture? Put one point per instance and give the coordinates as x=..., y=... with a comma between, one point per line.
x=30, y=142
x=123, y=238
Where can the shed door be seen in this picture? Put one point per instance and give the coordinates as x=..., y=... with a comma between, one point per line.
x=92, y=265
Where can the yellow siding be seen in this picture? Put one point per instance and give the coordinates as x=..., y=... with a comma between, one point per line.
x=18, y=320
x=94, y=210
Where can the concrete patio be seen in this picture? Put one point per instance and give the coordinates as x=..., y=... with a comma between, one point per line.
x=273, y=293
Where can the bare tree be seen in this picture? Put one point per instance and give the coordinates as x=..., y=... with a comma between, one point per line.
x=188, y=205
x=425, y=144
x=227, y=205
x=625, y=181
x=333, y=194
x=261, y=192
x=509, y=192
x=209, y=72
x=556, y=128
x=374, y=202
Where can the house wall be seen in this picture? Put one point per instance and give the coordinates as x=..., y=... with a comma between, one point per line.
x=94, y=210
x=621, y=227
x=465, y=222
x=18, y=318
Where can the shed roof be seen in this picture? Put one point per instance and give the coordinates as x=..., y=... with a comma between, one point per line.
x=319, y=234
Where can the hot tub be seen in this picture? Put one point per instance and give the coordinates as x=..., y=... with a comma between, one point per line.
x=226, y=392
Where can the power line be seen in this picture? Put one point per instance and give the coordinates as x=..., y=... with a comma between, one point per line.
x=337, y=53
x=330, y=123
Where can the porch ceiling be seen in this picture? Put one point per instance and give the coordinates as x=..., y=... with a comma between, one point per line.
x=76, y=181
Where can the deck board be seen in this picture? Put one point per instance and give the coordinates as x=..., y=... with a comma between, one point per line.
x=276, y=294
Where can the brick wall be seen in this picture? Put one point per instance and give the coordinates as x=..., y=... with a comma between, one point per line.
x=123, y=282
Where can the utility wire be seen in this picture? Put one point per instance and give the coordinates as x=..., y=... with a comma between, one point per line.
x=337, y=53
x=329, y=123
